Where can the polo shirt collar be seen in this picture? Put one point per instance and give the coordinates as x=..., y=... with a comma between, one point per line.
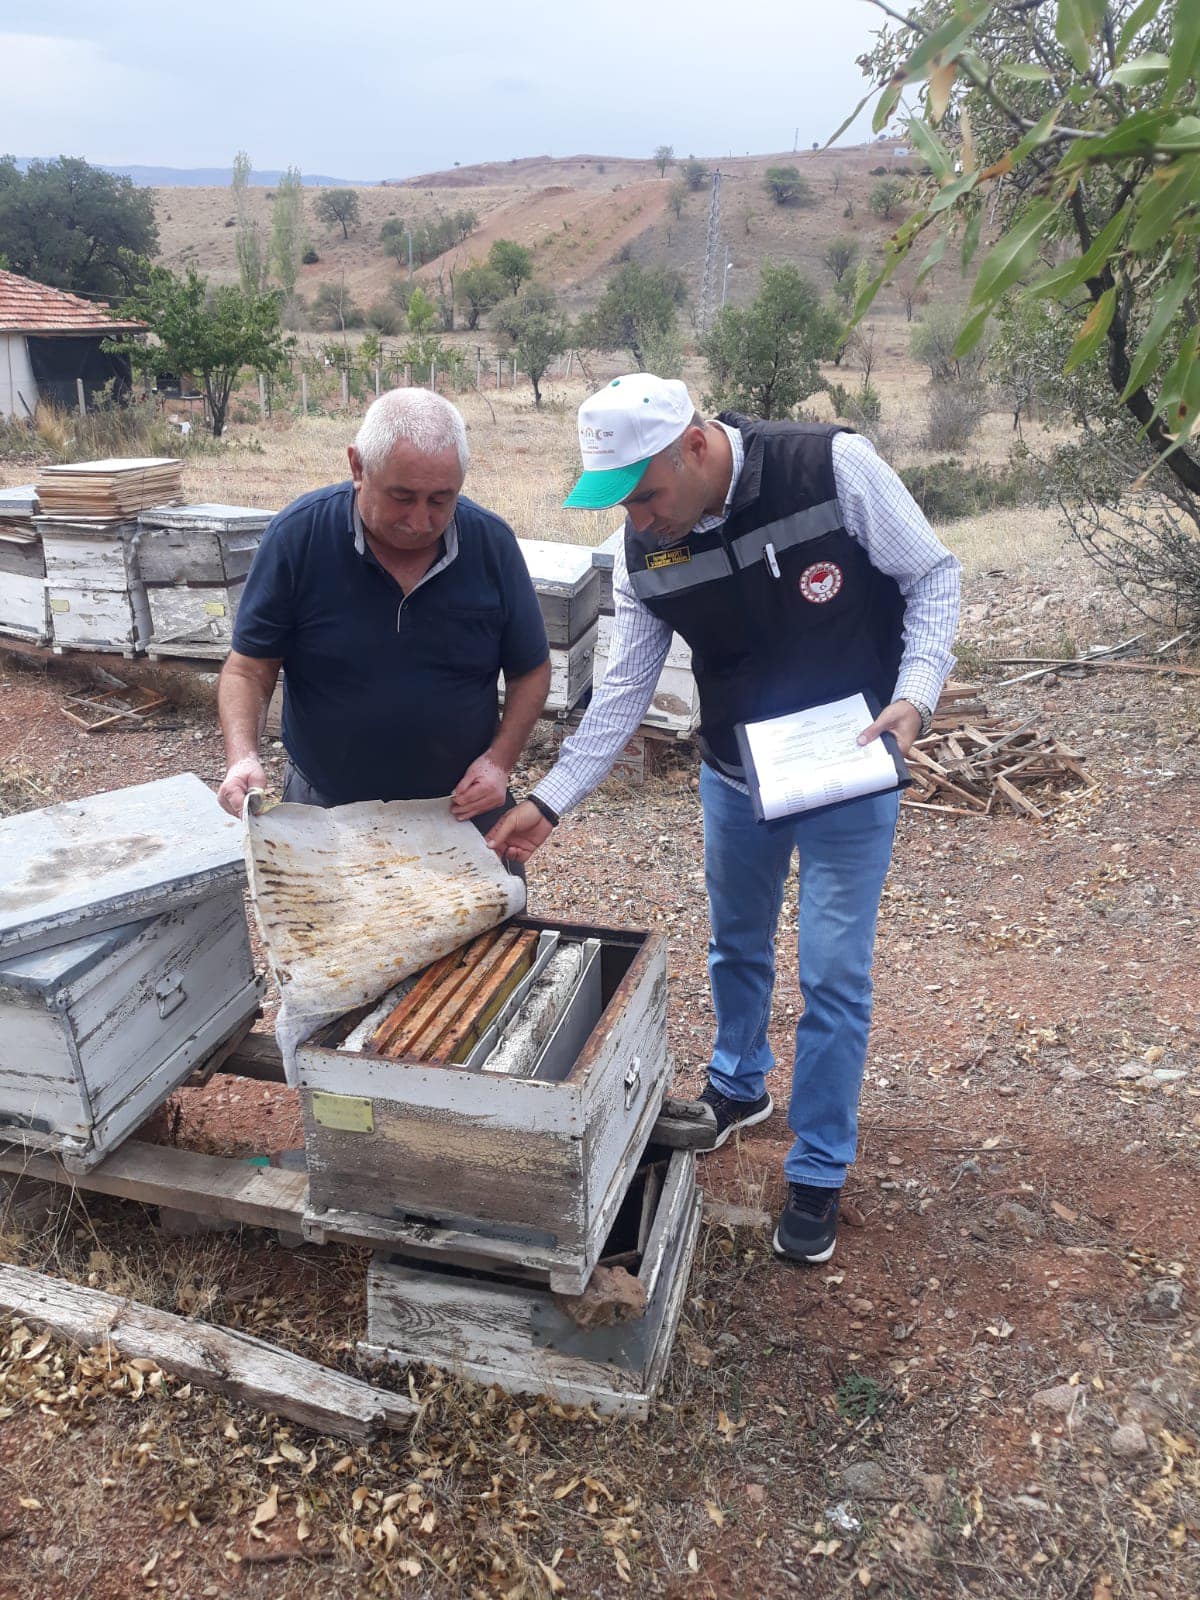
x=449, y=541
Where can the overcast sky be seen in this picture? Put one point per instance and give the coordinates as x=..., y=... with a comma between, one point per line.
x=374, y=89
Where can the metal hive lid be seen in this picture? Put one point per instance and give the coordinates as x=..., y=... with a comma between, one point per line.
x=89, y=865
x=206, y=518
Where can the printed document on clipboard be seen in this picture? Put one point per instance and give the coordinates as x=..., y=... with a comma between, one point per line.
x=809, y=759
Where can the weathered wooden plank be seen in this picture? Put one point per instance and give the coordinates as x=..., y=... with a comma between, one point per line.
x=229, y=1362
x=162, y=1175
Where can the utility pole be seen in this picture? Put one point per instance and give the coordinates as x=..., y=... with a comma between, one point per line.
x=711, y=238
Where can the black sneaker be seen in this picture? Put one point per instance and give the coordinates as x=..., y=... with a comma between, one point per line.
x=730, y=1114
x=807, y=1230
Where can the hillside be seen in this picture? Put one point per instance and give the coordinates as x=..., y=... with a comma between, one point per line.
x=577, y=214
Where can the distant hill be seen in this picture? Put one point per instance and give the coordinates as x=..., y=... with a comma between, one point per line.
x=212, y=177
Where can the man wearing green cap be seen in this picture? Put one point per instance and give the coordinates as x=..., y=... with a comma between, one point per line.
x=800, y=571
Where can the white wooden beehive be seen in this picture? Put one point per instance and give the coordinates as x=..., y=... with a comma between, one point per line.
x=97, y=1031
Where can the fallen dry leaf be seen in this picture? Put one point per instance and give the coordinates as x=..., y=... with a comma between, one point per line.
x=715, y=1513
x=1065, y=1212
x=557, y=1586
x=693, y=1560
x=267, y=1511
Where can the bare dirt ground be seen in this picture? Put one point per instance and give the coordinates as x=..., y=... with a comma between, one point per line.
x=991, y=1390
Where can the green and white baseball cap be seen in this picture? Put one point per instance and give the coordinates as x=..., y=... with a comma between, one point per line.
x=620, y=429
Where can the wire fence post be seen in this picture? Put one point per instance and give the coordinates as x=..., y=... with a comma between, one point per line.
x=303, y=393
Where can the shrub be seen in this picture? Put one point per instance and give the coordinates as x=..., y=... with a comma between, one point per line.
x=310, y=257
x=386, y=317
x=956, y=409
x=933, y=339
x=948, y=489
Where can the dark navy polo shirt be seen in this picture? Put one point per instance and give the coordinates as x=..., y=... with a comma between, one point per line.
x=387, y=697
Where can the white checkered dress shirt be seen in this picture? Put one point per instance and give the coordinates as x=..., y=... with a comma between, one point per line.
x=879, y=512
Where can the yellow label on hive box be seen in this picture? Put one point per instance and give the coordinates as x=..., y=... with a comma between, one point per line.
x=214, y=608
x=59, y=606
x=351, y=1113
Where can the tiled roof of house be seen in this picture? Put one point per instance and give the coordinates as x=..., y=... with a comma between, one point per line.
x=29, y=307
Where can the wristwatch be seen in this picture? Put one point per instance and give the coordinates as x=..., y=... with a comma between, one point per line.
x=548, y=812
x=925, y=714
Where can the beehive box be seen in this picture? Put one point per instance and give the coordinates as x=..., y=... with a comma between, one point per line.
x=517, y=1335
x=676, y=702
x=97, y=1031
x=193, y=561
x=506, y=1165
x=111, y=620
x=571, y=671
x=92, y=556
x=603, y=556
x=567, y=586
x=24, y=603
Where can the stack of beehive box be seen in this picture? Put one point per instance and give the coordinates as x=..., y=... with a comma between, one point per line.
x=193, y=560
x=24, y=609
x=568, y=591
x=497, y=1177
x=88, y=524
x=124, y=960
x=675, y=707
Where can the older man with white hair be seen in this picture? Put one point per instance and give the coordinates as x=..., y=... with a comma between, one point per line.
x=392, y=603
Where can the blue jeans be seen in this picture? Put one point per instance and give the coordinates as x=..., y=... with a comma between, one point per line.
x=844, y=857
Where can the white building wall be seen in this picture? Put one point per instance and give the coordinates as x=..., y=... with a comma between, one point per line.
x=16, y=378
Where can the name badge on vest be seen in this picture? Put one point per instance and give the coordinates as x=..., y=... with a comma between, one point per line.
x=667, y=558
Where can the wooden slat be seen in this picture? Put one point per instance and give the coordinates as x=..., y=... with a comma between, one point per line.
x=477, y=1003
x=424, y=986
x=231, y=1363
x=161, y=1175
x=445, y=1005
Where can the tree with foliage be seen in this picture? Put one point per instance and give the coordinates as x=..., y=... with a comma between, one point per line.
x=664, y=154
x=247, y=243
x=786, y=187
x=1077, y=122
x=537, y=331
x=287, y=229
x=75, y=227
x=885, y=197
x=695, y=173
x=763, y=358
x=639, y=306
x=512, y=261
x=420, y=312
x=677, y=198
x=840, y=254
x=478, y=288
x=335, y=206
x=213, y=333
x=334, y=307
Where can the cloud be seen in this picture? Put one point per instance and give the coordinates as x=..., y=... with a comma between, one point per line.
x=43, y=73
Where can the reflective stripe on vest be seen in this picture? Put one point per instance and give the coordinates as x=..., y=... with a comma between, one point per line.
x=798, y=528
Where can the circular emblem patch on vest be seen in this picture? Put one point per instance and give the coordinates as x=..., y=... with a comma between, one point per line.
x=820, y=582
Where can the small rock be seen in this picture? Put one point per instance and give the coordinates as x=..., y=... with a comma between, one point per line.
x=1145, y=1410
x=1130, y=1072
x=850, y=1214
x=54, y=1555
x=1163, y=1300
x=1063, y=1399
x=1026, y=1222
x=1029, y=1502
x=1168, y=1074
x=1129, y=1440
x=861, y=1307
x=866, y=1479
x=728, y=1341
x=935, y=1486
x=1070, y=1074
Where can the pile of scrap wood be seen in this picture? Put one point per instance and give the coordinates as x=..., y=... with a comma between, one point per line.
x=974, y=764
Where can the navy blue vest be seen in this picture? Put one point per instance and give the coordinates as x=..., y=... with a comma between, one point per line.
x=829, y=625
